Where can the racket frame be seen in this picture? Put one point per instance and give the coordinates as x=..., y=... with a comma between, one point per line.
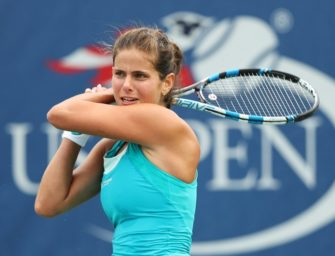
x=203, y=105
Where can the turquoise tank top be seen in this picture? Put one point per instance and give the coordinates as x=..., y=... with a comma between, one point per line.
x=152, y=211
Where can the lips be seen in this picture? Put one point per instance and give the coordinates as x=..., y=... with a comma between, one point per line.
x=128, y=100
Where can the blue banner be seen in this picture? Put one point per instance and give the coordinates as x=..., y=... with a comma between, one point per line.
x=263, y=190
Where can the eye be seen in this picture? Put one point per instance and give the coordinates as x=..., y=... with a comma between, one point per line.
x=140, y=75
x=118, y=73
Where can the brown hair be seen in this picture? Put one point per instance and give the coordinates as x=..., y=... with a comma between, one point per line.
x=167, y=56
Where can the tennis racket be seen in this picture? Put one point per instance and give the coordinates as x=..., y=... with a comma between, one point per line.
x=260, y=96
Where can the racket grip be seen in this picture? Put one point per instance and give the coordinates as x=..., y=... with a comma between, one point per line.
x=78, y=138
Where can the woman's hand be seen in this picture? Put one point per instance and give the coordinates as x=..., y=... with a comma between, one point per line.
x=98, y=88
x=102, y=91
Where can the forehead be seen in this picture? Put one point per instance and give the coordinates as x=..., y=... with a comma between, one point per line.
x=133, y=58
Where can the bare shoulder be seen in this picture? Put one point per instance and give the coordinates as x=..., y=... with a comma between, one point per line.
x=178, y=153
x=187, y=146
x=174, y=130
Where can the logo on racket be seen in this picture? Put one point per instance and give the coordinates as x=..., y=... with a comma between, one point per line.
x=212, y=96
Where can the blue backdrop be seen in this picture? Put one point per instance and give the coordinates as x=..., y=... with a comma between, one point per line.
x=262, y=190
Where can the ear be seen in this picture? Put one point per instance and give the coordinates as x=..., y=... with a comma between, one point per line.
x=168, y=83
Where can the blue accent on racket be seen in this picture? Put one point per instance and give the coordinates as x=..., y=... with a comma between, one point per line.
x=262, y=71
x=232, y=72
x=214, y=78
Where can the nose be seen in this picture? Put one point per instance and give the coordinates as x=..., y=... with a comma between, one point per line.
x=127, y=84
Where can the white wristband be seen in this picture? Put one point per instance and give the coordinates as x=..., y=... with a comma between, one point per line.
x=76, y=137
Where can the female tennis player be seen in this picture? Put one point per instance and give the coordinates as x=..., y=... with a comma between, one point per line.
x=145, y=165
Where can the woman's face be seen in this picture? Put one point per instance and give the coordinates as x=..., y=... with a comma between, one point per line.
x=135, y=79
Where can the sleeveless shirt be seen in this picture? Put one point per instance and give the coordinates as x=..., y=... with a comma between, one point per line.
x=151, y=210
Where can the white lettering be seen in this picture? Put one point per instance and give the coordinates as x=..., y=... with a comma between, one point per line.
x=19, y=132
x=214, y=139
x=223, y=153
x=304, y=169
x=217, y=143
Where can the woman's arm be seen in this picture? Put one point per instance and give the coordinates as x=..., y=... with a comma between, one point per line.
x=146, y=124
x=165, y=138
x=62, y=187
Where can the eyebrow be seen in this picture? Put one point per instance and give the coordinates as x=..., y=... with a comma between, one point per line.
x=134, y=71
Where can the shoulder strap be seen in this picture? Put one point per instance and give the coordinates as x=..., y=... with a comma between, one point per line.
x=116, y=148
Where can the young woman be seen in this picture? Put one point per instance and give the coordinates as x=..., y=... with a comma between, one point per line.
x=145, y=167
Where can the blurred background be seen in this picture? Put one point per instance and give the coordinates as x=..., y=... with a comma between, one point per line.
x=263, y=190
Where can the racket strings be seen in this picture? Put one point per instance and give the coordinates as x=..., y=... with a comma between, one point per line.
x=263, y=99
x=301, y=98
x=259, y=95
x=282, y=100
